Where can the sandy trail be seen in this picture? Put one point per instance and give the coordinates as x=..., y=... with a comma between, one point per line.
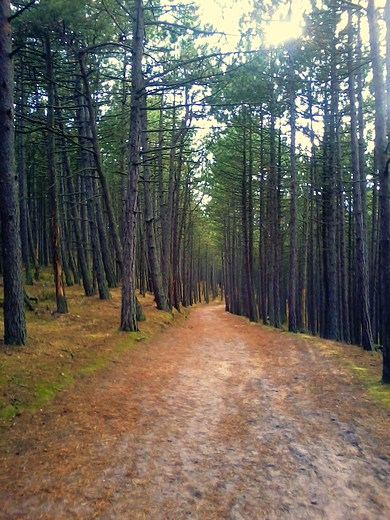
x=215, y=420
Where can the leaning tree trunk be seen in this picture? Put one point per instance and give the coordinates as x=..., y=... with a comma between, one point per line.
x=98, y=161
x=129, y=303
x=14, y=318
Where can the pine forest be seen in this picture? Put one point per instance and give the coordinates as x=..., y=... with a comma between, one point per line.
x=138, y=150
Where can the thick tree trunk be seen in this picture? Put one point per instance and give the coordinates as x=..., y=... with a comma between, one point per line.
x=14, y=318
x=383, y=169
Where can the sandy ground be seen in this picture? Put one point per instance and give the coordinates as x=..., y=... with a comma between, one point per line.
x=218, y=419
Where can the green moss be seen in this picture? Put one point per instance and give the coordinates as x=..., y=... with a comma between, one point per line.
x=8, y=413
x=93, y=366
x=379, y=392
x=46, y=276
x=26, y=387
x=376, y=390
x=46, y=390
x=48, y=295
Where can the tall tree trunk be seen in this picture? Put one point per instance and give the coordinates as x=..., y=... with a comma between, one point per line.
x=383, y=169
x=154, y=255
x=329, y=214
x=62, y=306
x=293, y=324
x=14, y=318
x=99, y=272
x=343, y=305
x=262, y=228
x=23, y=180
x=129, y=308
x=247, y=219
x=273, y=292
x=362, y=278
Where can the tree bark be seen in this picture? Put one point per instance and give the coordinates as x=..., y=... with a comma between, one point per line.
x=62, y=306
x=362, y=278
x=293, y=325
x=14, y=318
x=129, y=307
x=382, y=164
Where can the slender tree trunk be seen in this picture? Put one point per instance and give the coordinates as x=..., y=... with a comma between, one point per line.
x=247, y=219
x=154, y=255
x=293, y=324
x=99, y=272
x=23, y=181
x=343, y=307
x=273, y=292
x=62, y=306
x=129, y=302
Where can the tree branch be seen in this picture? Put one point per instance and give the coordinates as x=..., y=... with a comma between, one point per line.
x=21, y=11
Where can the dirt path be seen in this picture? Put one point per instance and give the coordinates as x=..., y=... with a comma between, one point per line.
x=216, y=420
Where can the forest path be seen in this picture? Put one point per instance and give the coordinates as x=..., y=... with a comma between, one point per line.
x=218, y=419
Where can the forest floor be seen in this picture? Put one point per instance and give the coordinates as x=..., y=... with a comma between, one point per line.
x=213, y=419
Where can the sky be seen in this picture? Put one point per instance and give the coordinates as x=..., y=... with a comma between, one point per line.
x=225, y=16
